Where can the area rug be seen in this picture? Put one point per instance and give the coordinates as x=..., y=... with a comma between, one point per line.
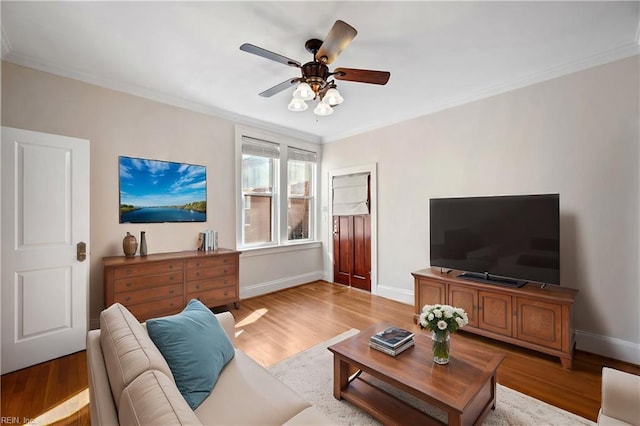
x=310, y=374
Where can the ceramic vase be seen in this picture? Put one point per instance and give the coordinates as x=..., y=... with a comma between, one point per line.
x=143, y=244
x=129, y=245
x=440, y=345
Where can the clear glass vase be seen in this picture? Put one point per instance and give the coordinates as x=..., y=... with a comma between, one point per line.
x=440, y=341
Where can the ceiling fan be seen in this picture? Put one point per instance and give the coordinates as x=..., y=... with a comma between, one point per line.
x=316, y=81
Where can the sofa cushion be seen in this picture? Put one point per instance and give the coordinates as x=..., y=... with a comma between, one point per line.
x=248, y=394
x=153, y=399
x=127, y=349
x=196, y=348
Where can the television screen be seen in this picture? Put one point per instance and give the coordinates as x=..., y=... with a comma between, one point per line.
x=513, y=237
x=153, y=191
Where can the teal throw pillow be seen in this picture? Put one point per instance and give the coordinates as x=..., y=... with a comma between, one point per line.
x=196, y=348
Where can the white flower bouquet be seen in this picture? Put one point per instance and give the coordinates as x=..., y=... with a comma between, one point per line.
x=442, y=320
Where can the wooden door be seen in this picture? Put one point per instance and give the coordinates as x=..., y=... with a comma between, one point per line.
x=45, y=246
x=352, y=251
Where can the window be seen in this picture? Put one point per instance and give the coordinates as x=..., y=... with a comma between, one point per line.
x=300, y=172
x=277, y=186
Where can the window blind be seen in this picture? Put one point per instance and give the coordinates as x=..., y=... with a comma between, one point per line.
x=351, y=194
x=298, y=154
x=260, y=148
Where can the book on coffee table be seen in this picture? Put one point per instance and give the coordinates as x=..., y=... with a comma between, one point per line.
x=392, y=337
x=392, y=352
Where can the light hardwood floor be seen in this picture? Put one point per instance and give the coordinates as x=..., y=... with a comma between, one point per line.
x=273, y=327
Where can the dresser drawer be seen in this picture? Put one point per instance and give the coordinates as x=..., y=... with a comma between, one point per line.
x=215, y=272
x=206, y=262
x=147, y=269
x=140, y=282
x=210, y=284
x=144, y=311
x=216, y=297
x=148, y=294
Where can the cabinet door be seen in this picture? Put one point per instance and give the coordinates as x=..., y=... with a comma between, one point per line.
x=466, y=298
x=539, y=322
x=496, y=314
x=429, y=293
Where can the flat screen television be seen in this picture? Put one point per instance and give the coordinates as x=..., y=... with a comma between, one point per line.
x=507, y=240
x=155, y=191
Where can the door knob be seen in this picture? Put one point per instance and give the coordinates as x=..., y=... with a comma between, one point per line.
x=81, y=251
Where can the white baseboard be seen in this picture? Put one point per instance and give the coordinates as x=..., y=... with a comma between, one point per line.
x=275, y=285
x=608, y=346
x=397, y=294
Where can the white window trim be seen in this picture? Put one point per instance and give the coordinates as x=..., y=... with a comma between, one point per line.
x=280, y=220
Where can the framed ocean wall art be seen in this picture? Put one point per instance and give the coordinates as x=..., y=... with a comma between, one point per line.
x=155, y=191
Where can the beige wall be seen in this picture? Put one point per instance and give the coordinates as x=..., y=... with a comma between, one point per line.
x=119, y=124
x=577, y=135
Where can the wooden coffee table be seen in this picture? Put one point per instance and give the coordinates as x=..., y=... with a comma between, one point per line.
x=465, y=388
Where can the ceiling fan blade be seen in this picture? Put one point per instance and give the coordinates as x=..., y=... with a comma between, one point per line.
x=362, y=76
x=250, y=48
x=279, y=87
x=338, y=38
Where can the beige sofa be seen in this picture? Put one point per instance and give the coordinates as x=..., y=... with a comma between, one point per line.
x=130, y=383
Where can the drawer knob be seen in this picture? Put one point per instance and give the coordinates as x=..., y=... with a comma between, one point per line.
x=129, y=284
x=128, y=271
x=171, y=291
x=226, y=271
x=226, y=281
x=171, y=278
x=171, y=304
x=127, y=298
x=226, y=293
x=198, y=264
x=198, y=286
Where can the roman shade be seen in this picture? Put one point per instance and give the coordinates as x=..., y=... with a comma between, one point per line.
x=351, y=194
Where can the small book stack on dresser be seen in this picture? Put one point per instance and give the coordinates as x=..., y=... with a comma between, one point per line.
x=392, y=340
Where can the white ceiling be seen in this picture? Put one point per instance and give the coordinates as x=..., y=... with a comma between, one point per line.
x=440, y=54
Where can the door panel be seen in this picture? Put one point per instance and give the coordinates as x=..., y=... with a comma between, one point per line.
x=361, y=252
x=342, y=249
x=45, y=213
x=352, y=251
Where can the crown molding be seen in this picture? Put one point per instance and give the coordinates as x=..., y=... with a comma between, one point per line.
x=621, y=52
x=625, y=51
x=153, y=95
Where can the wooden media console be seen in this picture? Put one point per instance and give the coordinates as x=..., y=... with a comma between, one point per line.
x=530, y=316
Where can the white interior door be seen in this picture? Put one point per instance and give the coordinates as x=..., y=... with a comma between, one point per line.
x=45, y=214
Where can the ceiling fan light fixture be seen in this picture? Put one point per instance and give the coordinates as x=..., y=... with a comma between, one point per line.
x=333, y=97
x=297, y=105
x=304, y=92
x=323, y=109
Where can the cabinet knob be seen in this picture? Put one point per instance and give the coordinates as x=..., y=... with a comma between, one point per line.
x=171, y=291
x=129, y=284
x=128, y=271
x=198, y=286
x=171, y=304
x=225, y=271
x=197, y=263
x=171, y=278
x=226, y=281
x=127, y=298
x=226, y=293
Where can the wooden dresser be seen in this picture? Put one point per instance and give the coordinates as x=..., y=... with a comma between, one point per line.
x=535, y=318
x=162, y=283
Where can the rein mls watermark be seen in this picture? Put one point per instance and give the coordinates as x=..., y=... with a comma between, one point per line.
x=7, y=420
